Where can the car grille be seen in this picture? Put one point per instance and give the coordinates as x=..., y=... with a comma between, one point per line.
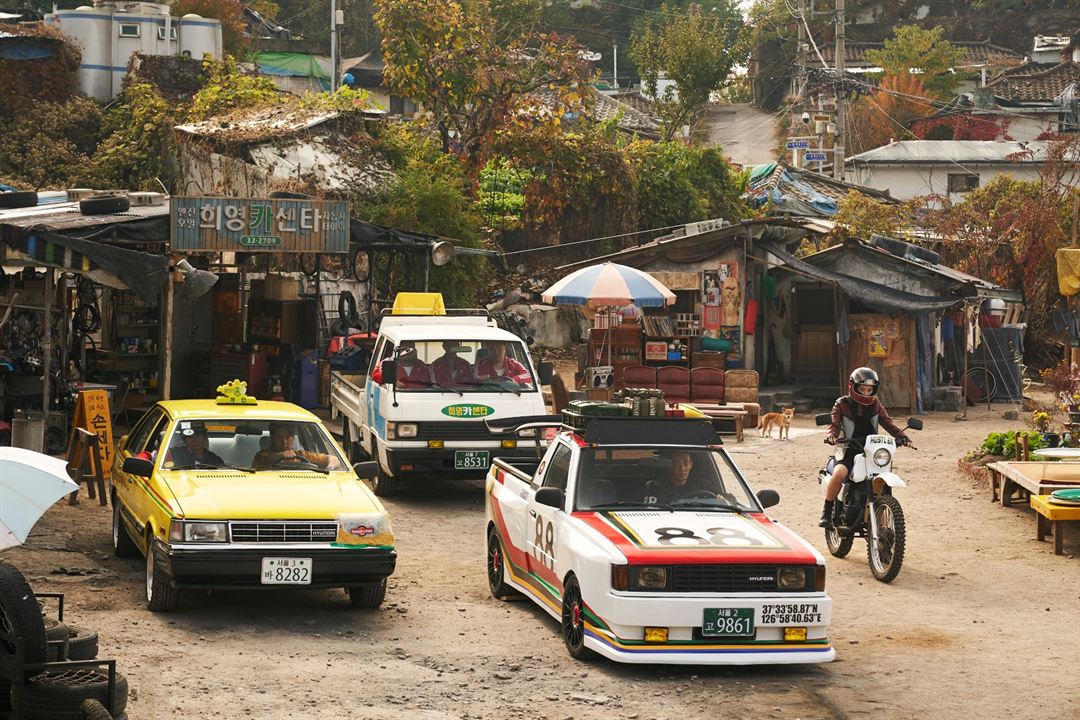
x=723, y=578
x=453, y=431
x=289, y=531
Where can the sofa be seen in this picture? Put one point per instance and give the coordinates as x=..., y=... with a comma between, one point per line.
x=701, y=384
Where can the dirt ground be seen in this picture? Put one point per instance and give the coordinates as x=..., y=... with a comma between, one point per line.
x=981, y=622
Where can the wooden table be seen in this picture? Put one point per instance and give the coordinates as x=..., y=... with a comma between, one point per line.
x=724, y=412
x=1030, y=478
x=1050, y=518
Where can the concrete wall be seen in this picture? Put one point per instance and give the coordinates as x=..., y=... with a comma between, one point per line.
x=908, y=181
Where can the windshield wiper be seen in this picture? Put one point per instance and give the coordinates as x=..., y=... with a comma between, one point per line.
x=706, y=502
x=211, y=466
x=440, y=387
x=630, y=503
x=297, y=467
x=510, y=386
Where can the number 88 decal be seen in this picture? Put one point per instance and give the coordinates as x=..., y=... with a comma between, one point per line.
x=717, y=536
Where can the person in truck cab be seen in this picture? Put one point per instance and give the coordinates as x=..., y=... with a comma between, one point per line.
x=451, y=370
x=678, y=482
x=412, y=372
x=497, y=366
x=282, y=449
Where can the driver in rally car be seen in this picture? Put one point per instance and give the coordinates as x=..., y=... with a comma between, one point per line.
x=678, y=483
x=282, y=437
x=854, y=416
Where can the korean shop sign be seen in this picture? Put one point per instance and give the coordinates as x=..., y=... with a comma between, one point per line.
x=260, y=225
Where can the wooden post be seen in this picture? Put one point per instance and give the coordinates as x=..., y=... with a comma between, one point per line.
x=167, y=318
x=46, y=347
x=964, y=352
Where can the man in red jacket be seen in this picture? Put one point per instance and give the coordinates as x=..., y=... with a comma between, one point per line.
x=497, y=366
x=451, y=370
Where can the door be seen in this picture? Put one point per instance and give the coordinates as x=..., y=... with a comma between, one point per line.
x=542, y=522
x=887, y=344
x=129, y=489
x=814, y=352
x=369, y=399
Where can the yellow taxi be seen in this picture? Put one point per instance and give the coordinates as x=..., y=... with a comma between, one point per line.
x=237, y=493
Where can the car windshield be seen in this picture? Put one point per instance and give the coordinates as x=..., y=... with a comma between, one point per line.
x=251, y=444
x=701, y=479
x=463, y=366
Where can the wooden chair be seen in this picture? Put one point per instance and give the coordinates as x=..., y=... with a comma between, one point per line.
x=674, y=381
x=84, y=464
x=639, y=376
x=707, y=385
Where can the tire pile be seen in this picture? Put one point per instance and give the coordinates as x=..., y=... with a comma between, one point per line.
x=63, y=690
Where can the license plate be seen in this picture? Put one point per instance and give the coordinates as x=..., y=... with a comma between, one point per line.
x=471, y=459
x=286, y=571
x=728, y=622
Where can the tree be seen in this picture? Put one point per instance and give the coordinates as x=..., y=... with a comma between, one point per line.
x=230, y=13
x=695, y=50
x=886, y=112
x=478, y=66
x=914, y=50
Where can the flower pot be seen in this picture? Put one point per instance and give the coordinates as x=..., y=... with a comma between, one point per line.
x=1051, y=439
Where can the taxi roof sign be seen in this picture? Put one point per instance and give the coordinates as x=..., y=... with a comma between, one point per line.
x=234, y=392
x=419, y=303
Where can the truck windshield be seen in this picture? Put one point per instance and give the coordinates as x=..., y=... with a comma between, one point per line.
x=701, y=479
x=250, y=443
x=463, y=366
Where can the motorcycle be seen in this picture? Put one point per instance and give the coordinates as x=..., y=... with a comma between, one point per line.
x=866, y=506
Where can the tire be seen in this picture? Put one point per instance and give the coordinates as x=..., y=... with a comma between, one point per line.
x=123, y=545
x=56, y=633
x=285, y=195
x=384, y=485
x=887, y=555
x=5, y=698
x=838, y=546
x=496, y=567
x=94, y=710
x=573, y=620
x=59, y=695
x=160, y=596
x=20, y=615
x=104, y=204
x=18, y=199
x=82, y=644
x=367, y=596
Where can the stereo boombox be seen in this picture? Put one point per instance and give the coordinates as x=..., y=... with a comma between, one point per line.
x=599, y=377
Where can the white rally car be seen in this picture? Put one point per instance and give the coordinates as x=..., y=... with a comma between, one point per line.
x=645, y=561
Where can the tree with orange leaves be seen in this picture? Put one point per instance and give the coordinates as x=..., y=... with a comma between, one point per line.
x=887, y=111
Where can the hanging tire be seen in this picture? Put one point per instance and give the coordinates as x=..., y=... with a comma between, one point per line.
x=160, y=595
x=367, y=596
x=82, y=644
x=20, y=615
x=18, y=199
x=384, y=485
x=496, y=567
x=573, y=620
x=104, y=204
x=59, y=695
x=123, y=545
x=886, y=552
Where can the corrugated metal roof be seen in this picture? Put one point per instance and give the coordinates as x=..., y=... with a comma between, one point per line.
x=59, y=217
x=969, y=152
x=812, y=192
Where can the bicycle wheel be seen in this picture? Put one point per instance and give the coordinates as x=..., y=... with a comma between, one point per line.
x=985, y=380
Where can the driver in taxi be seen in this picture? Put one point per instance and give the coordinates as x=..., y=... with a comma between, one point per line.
x=282, y=438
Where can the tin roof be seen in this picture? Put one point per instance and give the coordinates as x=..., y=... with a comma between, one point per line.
x=798, y=191
x=948, y=152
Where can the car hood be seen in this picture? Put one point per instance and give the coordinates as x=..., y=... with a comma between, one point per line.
x=269, y=494
x=694, y=537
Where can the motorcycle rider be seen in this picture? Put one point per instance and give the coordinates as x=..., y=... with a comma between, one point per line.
x=854, y=416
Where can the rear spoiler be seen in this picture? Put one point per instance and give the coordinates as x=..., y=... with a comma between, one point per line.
x=528, y=422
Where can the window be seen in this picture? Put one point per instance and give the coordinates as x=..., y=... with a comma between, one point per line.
x=962, y=182
x=129, y=30
x=161, y=32
x=559, y=470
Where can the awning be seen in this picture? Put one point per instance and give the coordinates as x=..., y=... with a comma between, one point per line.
x=879, y=297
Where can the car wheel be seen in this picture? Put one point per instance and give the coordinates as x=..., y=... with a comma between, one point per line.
x=384, y=485
x=367, y=596
x=94, y=710
x=123, y=545
x=82, y=644
x=59, y=695
x=573, y=620
x=160, y=595
x=20, y=615
x=496, y=567
x=18, y=199
x=104, y=204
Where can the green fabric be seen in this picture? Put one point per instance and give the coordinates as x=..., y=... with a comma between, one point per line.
x=289, y=63
x=757, y=172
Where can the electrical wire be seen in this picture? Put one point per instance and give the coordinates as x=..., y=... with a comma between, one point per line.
x=595, y=239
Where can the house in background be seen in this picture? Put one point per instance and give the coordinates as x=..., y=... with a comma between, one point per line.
x=110, y=33
x=947, y=168
x=981, y=59
x=366, y=72
x=783, y=190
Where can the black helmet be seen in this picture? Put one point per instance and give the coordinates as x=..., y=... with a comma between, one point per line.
x=863, y=376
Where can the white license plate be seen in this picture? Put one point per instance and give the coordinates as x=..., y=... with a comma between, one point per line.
x=286, y=571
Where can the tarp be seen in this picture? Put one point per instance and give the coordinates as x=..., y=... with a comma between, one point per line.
x=879, y=297
x=292, y=64
x=790, y=194
x=1068, y=271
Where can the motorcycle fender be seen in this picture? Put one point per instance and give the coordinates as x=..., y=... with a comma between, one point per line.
x=892, y=479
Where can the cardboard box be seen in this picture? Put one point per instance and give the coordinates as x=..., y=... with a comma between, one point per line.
x=277, y=287
x=656, y=350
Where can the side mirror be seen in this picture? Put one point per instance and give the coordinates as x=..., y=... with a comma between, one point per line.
x=546, y=371
x=138, y=466
x=768, y=498
x=121, y=443
x=389, y=372
x=914, y=423
x=552, y=497
x=823, y=419
x=366, y=470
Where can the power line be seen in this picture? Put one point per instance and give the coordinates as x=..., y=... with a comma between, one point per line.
x=595, y=239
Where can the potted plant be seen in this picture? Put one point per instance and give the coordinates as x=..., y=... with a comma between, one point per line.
x=1041, y=420
x=1064, y=382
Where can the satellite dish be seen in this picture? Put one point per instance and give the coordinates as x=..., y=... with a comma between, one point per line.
x=196, y=282
x=442, y=252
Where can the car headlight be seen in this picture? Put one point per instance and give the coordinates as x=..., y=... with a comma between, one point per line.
x=882, y=457
x=791, y=578
x=205, y=532
x=650, y=578
x=396, y=431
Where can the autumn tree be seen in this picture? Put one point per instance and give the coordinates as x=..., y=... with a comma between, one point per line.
x=230, y=13
x=695, y=50
x=887, y=112
x=915, y=50
x=477, y=66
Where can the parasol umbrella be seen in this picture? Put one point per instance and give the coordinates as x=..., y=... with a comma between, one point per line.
x=609, y=284
x=29, y=483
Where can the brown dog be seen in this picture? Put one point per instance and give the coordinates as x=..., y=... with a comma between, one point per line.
x=781, y=419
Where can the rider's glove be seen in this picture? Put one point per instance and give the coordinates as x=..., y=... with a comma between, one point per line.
x=902, y=441
x=830, y=440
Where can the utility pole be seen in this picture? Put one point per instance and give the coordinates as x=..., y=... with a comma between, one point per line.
x=799, y=91
x=333, y=46
x=841, y=102
x=615, y=65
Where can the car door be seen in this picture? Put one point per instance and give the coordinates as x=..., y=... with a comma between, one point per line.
x=542, y=523
x=126, y=486
x=142, y=500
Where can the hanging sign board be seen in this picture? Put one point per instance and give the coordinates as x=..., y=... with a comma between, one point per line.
x=92, y=414
x=213, y=224
x=812, y=155
x=797, y=144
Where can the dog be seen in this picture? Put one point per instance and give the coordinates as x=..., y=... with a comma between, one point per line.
x=781, y=419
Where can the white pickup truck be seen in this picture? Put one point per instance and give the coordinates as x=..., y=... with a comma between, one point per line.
x=432, y=382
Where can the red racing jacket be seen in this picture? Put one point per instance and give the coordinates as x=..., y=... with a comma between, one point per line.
x=843, y=418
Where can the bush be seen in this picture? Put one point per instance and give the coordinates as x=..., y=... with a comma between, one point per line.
x=1004, y=444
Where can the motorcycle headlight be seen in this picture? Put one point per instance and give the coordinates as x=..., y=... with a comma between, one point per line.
x=205, y=532
x=791, y=578
x=650, y=578
x=882, y=457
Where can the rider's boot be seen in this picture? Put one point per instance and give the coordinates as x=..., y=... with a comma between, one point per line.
x=826, y=515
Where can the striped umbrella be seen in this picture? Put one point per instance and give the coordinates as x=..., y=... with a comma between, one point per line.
x=609, y=284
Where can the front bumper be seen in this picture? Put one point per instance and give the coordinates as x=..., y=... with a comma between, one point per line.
x=429, y=461
x=200, y=567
